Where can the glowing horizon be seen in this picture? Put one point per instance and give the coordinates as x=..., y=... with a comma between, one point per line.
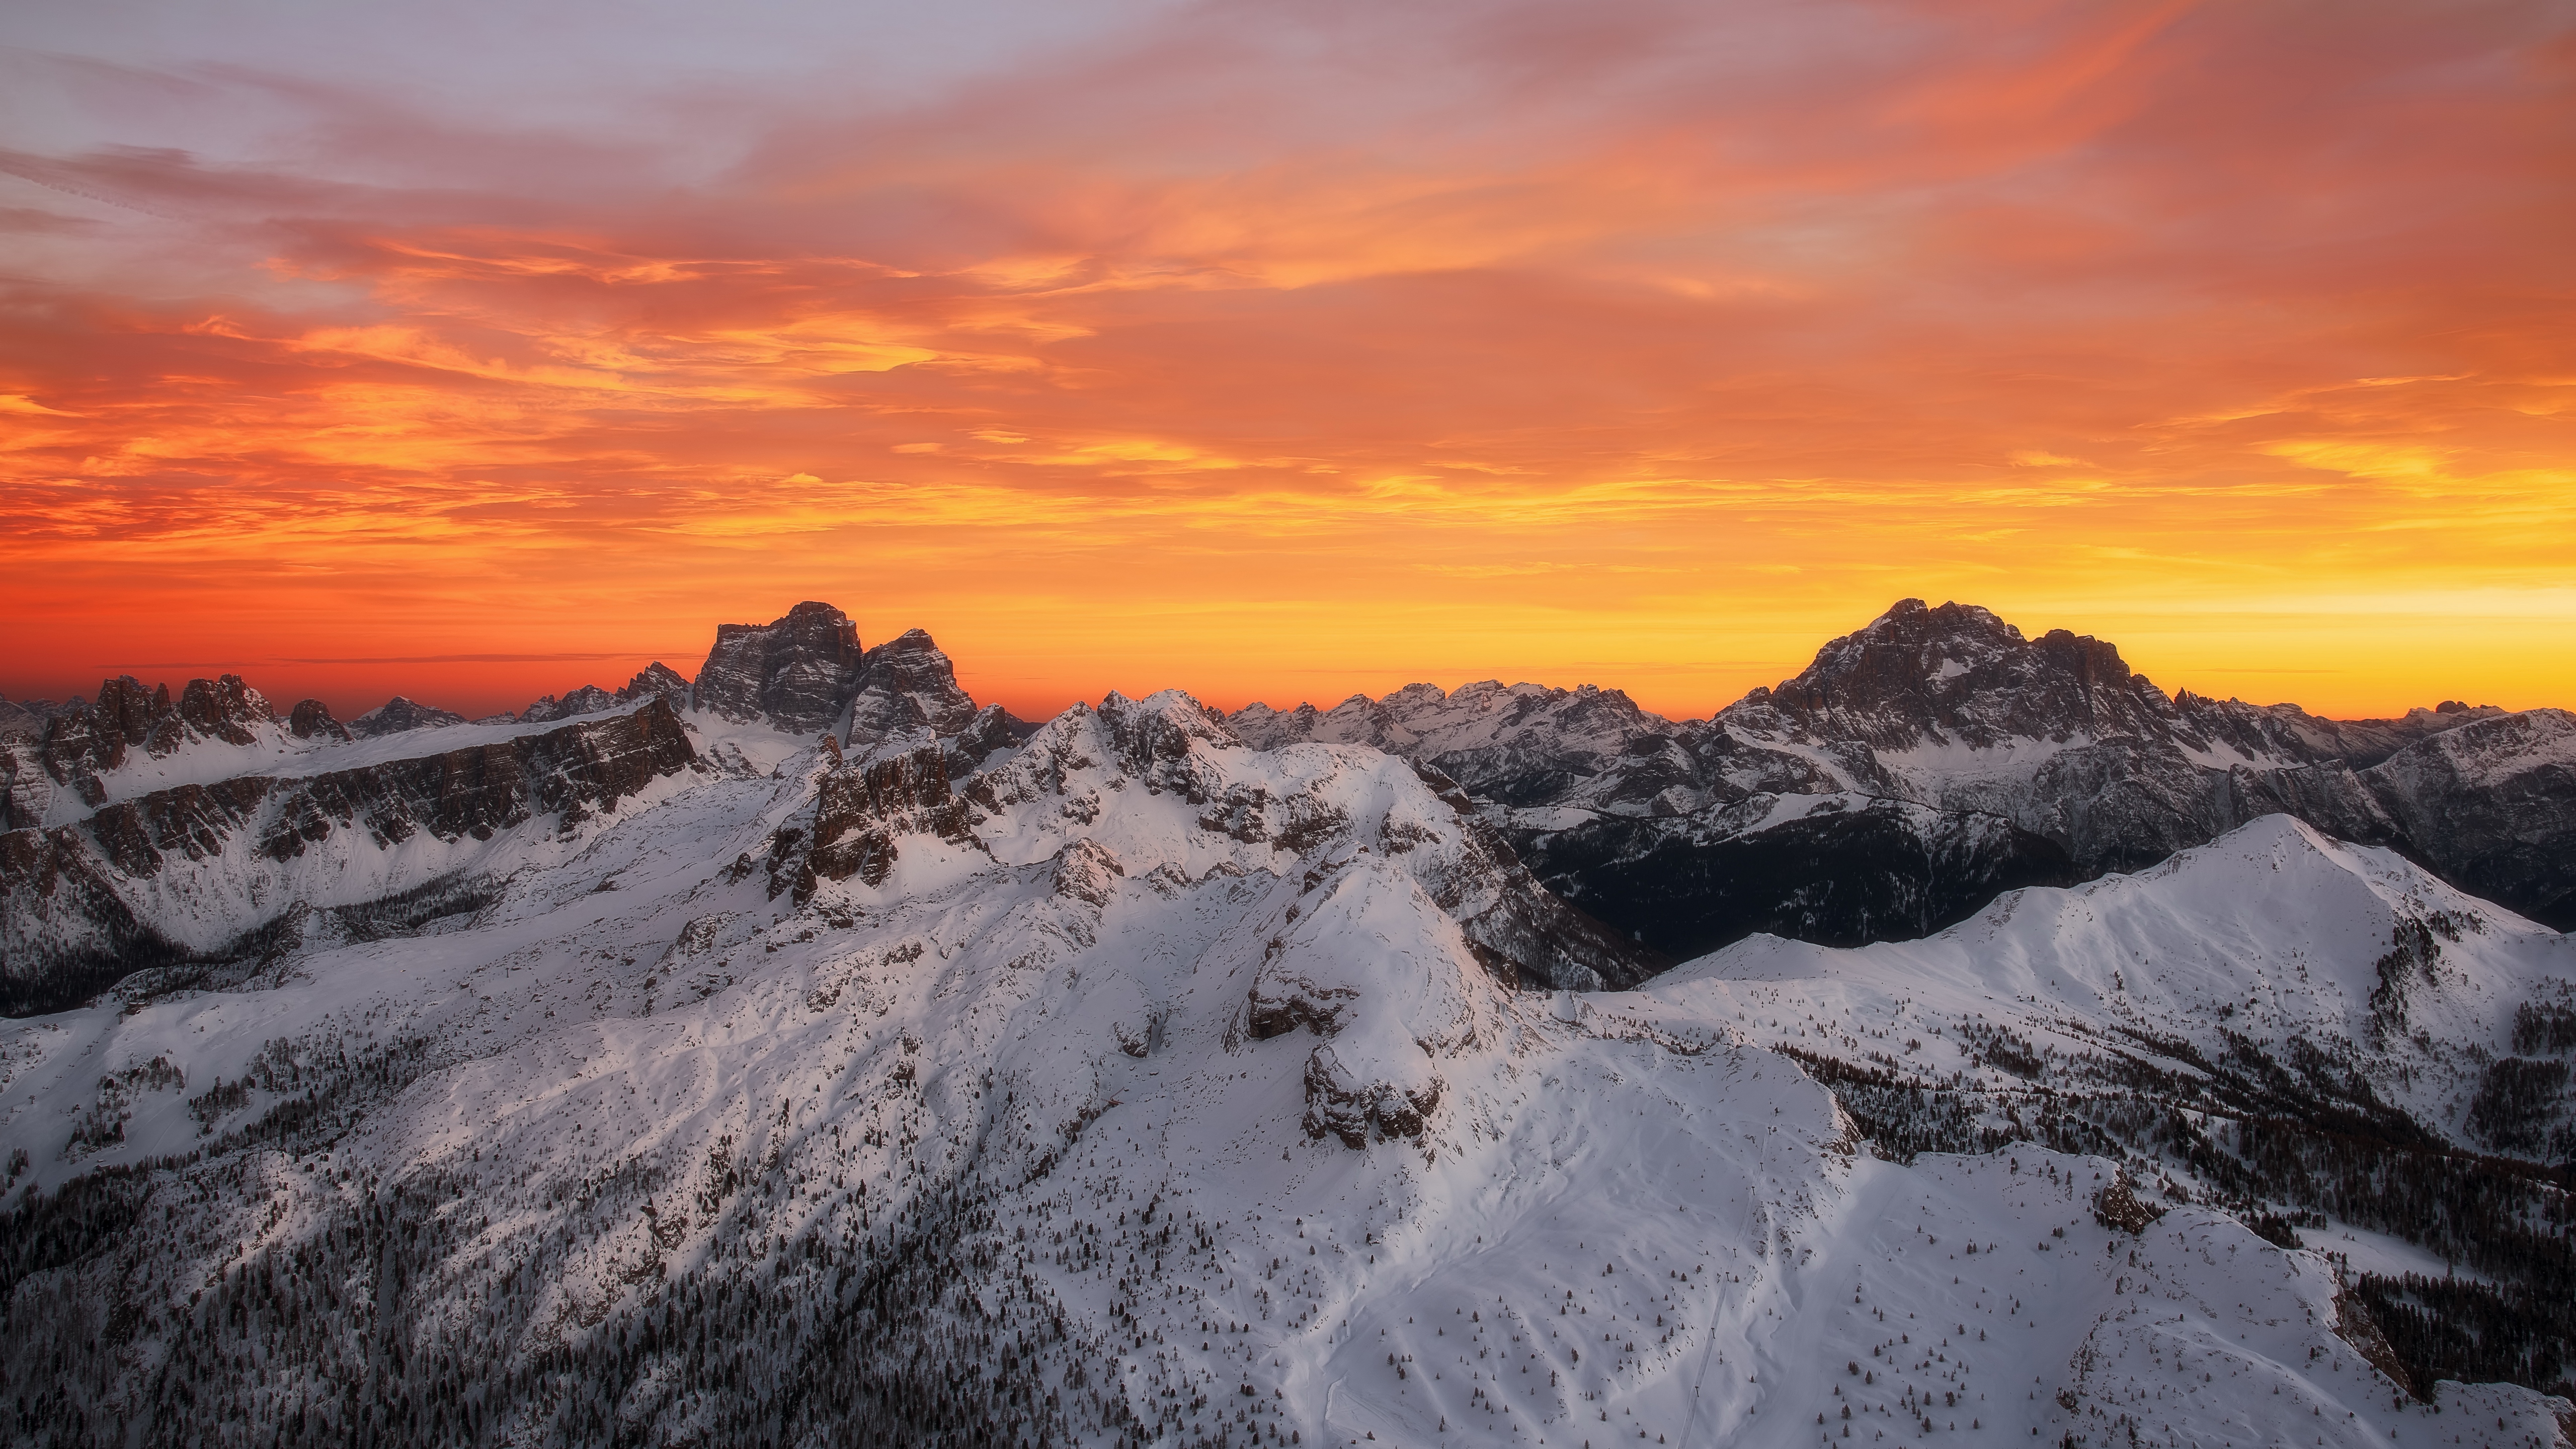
x=1289, y=352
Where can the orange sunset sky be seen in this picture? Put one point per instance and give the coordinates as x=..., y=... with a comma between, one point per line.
x=1279, y=350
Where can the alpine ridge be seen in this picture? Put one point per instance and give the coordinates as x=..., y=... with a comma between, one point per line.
x=807, y=1054
x=1937, y=757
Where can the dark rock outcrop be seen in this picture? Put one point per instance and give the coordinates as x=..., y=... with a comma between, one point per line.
x=25, y=789
x=312, y=720
x=859, y=812
x=399, y=714
x=1347, y=1105
x=87, y=740
x=907, y=691
x=797, y=672
x=225, y=709
x=81, y=741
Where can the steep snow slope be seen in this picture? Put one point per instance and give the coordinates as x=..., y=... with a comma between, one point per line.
x=1131, y=1086
x=2352, y=965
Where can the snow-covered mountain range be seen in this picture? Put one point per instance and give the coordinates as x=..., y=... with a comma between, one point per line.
x=805, y=1054
x=1937, y=757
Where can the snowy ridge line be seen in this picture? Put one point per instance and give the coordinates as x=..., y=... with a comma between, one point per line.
x=181, y=874
x=1955, y=720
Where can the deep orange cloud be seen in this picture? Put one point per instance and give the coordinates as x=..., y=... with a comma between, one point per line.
x=1284, y=351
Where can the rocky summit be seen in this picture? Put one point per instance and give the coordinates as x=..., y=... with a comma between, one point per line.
x=796, y=672
x=1961, y=1043
x=907, y=693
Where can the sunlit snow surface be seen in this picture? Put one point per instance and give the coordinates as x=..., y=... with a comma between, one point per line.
x=1624, y=1218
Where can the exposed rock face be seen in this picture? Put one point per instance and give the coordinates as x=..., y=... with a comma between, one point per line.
x=1089, y=872
x=26, y=791
x=82, y=741
x=907, y=697
x=1952, y=708
x=312, y=720
x=2492, y=806
x=1957, y=674
x=1348, y=1105
x=859, y=810
x=72, y=894
x=224, y=709
x=85, y=740
x=990, y=731
x=399, y=714
x=798, y=672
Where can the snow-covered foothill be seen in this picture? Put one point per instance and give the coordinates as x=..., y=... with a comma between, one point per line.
x=2273, y=938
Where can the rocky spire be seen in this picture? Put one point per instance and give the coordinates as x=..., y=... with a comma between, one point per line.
x=657, y=678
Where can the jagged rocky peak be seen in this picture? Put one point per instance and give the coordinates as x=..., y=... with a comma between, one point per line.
x=907, y=696
x=798, y=671
x=312, y=719
x=589, y=699
x=2492, y=805
x=1919, y=674
x=657, y=678
x=126, y=712
x=82, y=740
x=225, y=709
x=399, y=714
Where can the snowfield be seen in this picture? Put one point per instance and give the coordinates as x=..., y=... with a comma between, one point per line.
x=1174, y=1091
